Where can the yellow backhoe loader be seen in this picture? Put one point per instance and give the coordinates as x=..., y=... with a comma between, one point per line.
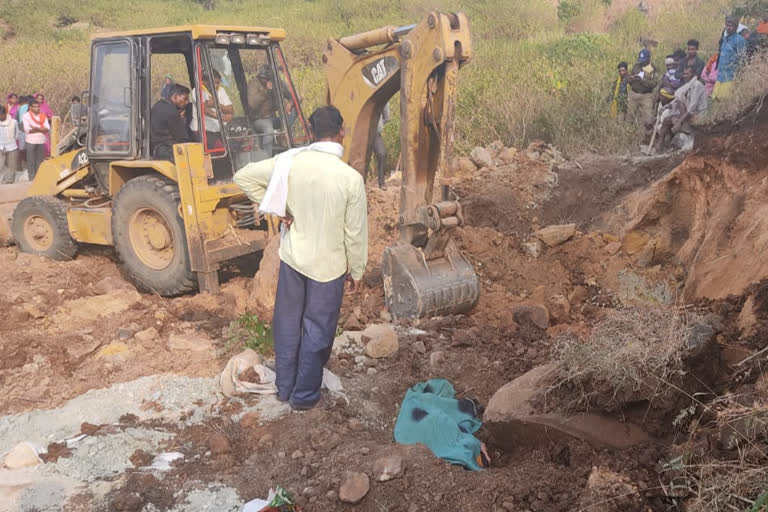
x=173, y=223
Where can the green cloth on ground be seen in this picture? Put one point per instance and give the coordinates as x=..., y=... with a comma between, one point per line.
x=431, y=415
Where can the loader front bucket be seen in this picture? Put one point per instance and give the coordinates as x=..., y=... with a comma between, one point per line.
x=415, y=287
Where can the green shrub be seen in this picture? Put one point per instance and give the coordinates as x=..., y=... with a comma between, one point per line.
x=250, y=332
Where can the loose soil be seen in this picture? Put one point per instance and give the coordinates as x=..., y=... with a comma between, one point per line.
x=75, y=326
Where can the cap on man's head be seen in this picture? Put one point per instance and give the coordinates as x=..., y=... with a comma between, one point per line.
x=669, y=60
x=644, y=55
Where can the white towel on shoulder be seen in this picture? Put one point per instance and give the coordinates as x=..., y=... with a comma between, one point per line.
x=276, y=195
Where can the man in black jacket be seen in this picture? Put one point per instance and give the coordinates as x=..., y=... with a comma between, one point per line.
x=167, y=123
x=642, y=83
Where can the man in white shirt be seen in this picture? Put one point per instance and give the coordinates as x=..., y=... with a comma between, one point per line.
x=325, y=244
x=9, y=150
x=211, y=122
x=36, y=126
x=690, y=101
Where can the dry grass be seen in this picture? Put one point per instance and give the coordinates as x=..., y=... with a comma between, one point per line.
x=631, y=355
x=749, y=93
x=736, y=476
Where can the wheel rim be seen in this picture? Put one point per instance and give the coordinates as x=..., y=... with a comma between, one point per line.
x=151, y=238
x=38, y=233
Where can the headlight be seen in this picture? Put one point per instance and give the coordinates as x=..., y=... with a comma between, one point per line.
x=222, y=38
x=257, y=39
x=238, y=39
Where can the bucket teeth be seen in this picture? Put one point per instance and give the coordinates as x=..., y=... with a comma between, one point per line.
x=417, y=288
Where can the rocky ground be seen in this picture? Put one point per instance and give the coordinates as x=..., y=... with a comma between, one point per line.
x=111, y=399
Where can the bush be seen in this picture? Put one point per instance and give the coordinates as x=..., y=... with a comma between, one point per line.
x=252, y=333
x=630, y=356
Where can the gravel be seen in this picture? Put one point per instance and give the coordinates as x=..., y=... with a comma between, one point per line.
x=97, y=461
x=175, y=394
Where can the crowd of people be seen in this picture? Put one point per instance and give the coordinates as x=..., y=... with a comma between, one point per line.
x=667, y=103
x=25, y=138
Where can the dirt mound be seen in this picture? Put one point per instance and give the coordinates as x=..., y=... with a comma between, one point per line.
x=709, y=214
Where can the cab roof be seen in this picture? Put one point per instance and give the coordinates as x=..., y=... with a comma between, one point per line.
x=198, y=31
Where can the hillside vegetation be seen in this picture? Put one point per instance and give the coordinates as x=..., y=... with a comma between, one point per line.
x=542, y=69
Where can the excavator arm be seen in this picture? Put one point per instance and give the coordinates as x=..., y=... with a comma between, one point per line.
x=424, y=272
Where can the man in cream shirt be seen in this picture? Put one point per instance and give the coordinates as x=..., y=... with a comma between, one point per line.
x=324, y=243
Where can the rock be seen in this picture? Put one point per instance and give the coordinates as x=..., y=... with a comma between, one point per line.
x=383, y=341
x=532, y=312
x=635, y=241
x=360, y=360
x=127, y=332
x=387, y=468
x=90, y=308
x=747, y=320
x=356, y=425
x=612, y=248
x=32, y=310
x=23, y=455
x=556, y=234
x=495, y=146
x=219, y=444
x=507, y=155
x=250, y=419
x=266, y=440
x=559, y=309
x=700, y=337
x=464, y=167
x=371, y=371
x=88, y=345
x=365, y=450
x=352, y=323
x=190, y=341
x=147, y=335
x=331, y=495
x=264, y=286
x=532, y=249
x=509, y=506
x=465, y=337
x=513, y=417
x=578, y=295
x=436, y=358
x=419, y=347
x=324, y=441
x=481, y=157
x=607, y=491
x=110, y=284
x=348, y=342
x=354, y=486
x=298, y=454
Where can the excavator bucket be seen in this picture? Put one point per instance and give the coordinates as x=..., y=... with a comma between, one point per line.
x=415, y=287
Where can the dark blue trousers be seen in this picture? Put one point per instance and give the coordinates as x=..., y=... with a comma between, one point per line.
x=304, y=326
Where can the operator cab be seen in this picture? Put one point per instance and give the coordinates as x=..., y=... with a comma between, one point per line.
x=253, y=114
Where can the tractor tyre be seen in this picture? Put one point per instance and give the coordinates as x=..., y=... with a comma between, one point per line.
x=149, y=236
x=40, y=226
